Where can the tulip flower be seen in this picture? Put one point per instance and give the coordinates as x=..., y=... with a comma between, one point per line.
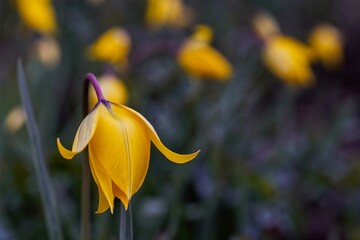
x=286, y=57
x=167, y=13
x=200, y=60
x=327, y=44
x=118, y=140
x=112, y=46
x=38, y=15
x=48, y=51
x=15, y=119
x=290, y=60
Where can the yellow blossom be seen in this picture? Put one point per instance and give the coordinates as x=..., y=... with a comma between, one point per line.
x=38, y=15
x=48, y=51
x=112, y=46
x=15, y=119
x=265, y=26
x=202, y=33
x=200, y=60
x=114, y=90
x=167, y=13
x=118, y=140
x=327, y=44
x=289, y=59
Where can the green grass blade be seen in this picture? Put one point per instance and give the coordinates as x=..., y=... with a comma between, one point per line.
x=42, y=175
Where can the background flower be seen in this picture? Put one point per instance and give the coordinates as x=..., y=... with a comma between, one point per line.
x=38, y=15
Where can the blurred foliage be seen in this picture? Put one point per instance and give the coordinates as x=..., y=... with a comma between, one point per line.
x=276, y=162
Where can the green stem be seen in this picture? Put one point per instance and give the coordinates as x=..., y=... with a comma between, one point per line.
x=126, y=227
x=85, y=187
x=85, y=202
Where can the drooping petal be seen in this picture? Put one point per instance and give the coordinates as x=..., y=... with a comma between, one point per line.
x=172, y=156
x=83, y=135
x=123, y=148
x=120, y=195
x=103, y=203
x=102, y=180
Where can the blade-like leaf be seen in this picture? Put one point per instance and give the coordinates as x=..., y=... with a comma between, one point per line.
x=42, y=175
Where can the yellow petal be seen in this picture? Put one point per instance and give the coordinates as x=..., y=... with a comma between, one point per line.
x=171, y=13
x=290, y=60
x=67, y=154
x=15, y=119
x=83, y=135
x=48, y=51
x=120, y=195
x=112, y=46
x=103, y=203
x=38, y=15
x=327, y=42
x=123, y=149
x=172, y=156
x=265, y=25
x=102, y=180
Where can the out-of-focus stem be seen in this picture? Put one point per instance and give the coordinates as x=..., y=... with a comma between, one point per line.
x=126, y=228
x=85, y=181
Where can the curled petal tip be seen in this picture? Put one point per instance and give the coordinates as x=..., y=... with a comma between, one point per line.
x=181, y=158
x=126, y=205
x=67, y=154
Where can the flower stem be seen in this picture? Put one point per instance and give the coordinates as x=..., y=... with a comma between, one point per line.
x=94, y=82
x=85, y=187
x=126, y=228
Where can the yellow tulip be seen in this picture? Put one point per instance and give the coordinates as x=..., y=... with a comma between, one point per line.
x=15, y=119
x=114, y=90
x=38, y=15
x=200, y=60
x=167, y=13
x=202, y=33
x=289, y=59
x=327, y=44
x=112, y=46
x=265, y=26
x=48, y=51
x=118, y=140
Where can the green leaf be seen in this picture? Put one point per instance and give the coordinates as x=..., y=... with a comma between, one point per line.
x=41, y=171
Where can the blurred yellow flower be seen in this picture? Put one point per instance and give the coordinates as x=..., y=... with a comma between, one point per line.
x=290, y=60
x=48, y=51
x=114, y=90
x=38, y=15
x=15, y=119
x=167, y=13
x=327, y=43
x=118, y=140
x=200, y=60
x=202, y=33
x=265, y=26
x=112, y=46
